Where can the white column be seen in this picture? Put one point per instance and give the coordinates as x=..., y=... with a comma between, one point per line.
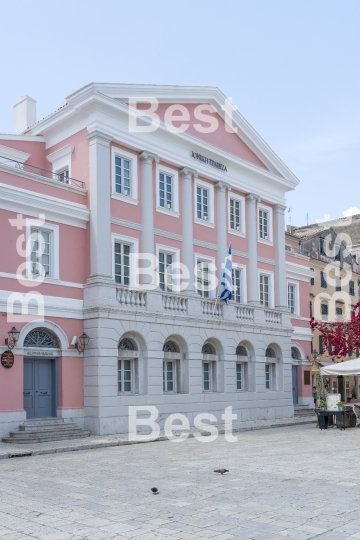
x=221, y=225
x=100, y=226
x=187, y=224
x=147, y=206
x=280, y=262
x=251, y=232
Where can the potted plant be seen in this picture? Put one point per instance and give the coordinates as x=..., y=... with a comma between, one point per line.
x=323, y=404
x=340, y=405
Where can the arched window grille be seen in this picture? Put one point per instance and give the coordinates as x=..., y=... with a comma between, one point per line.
x=208, y=349
x=41, y=337
x=126, y=345
x=269, y=353
x=170, y=346
x=295, y=354
x=241, y=350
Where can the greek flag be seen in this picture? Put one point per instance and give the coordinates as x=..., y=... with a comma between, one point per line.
x=226, y=282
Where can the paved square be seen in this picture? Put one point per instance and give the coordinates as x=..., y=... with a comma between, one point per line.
x=295, y=482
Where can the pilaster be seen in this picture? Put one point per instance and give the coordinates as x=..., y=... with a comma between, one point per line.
x=251, y=228
x=187, y=176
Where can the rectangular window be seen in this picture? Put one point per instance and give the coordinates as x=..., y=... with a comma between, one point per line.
x=202, y=203
x=125, y=376
x=264, y=224
x=236, y=279
x=338, y=283
x=122, y=263
x=291, y=298
x=122, y=176
x=323, y=280
x=165, y=277
x=165, y=191
x=339, y=313
x=168, y=376
x=312, y=280
x=311, y=311
x=63, y=176
x=351, y=288
x=321, y=345
x=268, y=381
x=235, y=215
x=322, y=246
x=203, y=282
x=206, y=376
x=264, y=290
x=40, y=252
x=324, y=312
x=239, y=376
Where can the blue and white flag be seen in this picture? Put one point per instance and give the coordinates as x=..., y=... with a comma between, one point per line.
x=225, y=289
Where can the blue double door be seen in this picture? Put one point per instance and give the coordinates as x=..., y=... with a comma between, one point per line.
x=39, y=387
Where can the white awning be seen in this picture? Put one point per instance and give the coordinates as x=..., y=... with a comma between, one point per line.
x=350, y=367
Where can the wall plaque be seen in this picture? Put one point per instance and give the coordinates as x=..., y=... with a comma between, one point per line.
x=7, y=359
x=39, y=353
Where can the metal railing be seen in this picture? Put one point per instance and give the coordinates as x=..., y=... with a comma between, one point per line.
x=290, y=249
x=58, y=177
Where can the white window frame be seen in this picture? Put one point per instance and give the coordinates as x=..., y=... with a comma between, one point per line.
x=132, y=381
x=243, y=284
x=294, y=284
x=272, y=375
x=242, y=231
x=175, y=376
x=205, y=258
x=211, y=375
x=174, y=211
x=243, y=371
x=270, y=275
x=175, y=252
x=268, y=209
x=133, y=158
x=54, y=248
x=134, y=248
x=210, y=187
x=61, y=159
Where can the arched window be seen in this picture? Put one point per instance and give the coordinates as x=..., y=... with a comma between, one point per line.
x=42, y=337
x=126, y=345
x=170, y=346
x=270, y=353
x=208, y=349
x=295, y=353
x=241, y=350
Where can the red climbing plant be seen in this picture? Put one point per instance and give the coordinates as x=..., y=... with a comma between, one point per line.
x=340, y=338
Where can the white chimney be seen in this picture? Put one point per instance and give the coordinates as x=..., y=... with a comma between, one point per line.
x=24, y=114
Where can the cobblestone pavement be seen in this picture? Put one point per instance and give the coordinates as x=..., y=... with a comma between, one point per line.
x=295, y=482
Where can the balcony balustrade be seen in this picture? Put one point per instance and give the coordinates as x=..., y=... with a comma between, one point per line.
x=182, y=305
x=38, y=171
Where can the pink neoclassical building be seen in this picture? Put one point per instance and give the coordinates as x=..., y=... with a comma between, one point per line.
x=175, y=172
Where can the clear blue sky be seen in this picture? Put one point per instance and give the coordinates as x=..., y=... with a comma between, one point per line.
x=291, y=67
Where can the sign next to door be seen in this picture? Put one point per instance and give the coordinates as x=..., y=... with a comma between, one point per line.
x=7, y=359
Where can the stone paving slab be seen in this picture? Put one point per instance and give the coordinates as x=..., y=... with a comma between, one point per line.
x=292, y=483
x=8, y=450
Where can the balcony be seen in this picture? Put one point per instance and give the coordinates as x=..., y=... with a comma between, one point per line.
x=193, y=306
x=7, y=163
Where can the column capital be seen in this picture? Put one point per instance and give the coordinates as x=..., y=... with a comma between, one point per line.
x=186, y=171
x=149, y=156
x=222, y=186
x=98, y=134
x=279, y=208
x=252, y=198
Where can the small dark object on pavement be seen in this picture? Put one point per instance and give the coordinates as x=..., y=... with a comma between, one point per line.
x=155, y=491
x=221, y=471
